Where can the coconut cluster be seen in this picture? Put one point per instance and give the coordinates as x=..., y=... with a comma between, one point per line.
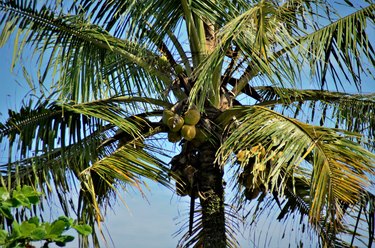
x=256, y=170
x=184, y=170
x=181, y=126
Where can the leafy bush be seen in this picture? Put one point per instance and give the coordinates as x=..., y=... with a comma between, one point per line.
x=33, y=229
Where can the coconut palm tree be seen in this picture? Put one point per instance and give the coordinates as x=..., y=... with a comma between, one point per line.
x=269, y=92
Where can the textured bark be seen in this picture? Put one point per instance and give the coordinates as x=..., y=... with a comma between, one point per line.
x=210, y=184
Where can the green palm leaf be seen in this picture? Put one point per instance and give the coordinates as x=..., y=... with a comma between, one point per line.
x=345, y=40
x=82, y=50
x=338, y=167
x=61, y=158
x=354, y=112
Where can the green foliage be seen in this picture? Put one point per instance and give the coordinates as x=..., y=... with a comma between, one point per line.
x=33, y=229
x=20, y=197
x=115, y=65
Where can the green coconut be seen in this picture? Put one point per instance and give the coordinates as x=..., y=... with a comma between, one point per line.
x=175, y=123
x=188, y=132
x=167, y=113
x=192, y=117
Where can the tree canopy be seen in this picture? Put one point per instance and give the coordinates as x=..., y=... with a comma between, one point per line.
x=273, y=93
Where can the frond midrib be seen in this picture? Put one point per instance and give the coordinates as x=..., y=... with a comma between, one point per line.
x=297, y=95
x=17, y=126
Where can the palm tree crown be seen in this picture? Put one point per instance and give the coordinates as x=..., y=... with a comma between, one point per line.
x=256, y=89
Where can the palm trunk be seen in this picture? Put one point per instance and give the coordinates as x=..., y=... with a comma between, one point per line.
x=211, y=194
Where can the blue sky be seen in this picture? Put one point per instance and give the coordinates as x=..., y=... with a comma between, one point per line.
x=11, y=92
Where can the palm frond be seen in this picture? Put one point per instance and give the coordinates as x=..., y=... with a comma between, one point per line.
x=340, y=169
x=262, y=213
x=255, y=34
x=133, y=17
x=41, y=130
x=57, y=161
x=352, y=112
x=338, y=46
x=129, y=164
x=146, y=26
x=292, y=209
x=43, y=127
x=81, y=51
x=54, y=146
x=112, y=111
x=56, y=170
x=283, y=34
x=46, y=130
x=207, y=83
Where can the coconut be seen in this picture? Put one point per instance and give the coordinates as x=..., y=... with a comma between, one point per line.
x=188, y=132
x=167, y=113
x=175, y=123
x=192, y=117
